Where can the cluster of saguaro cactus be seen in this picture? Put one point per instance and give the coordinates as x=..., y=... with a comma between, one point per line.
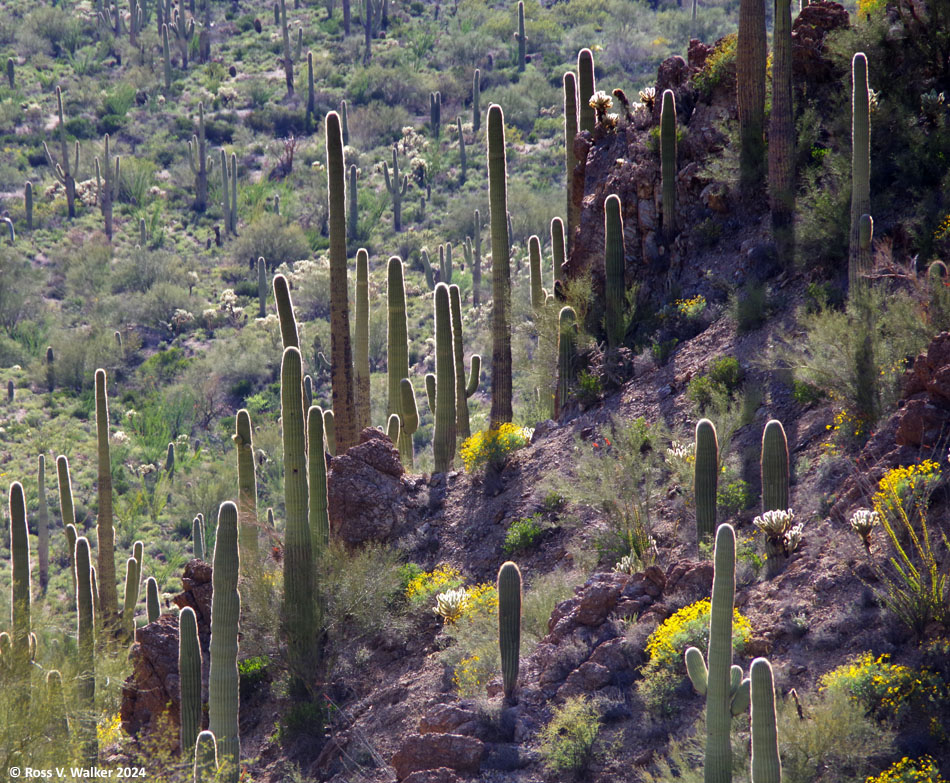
x=520, y=37
x=361, y=339
x=107, y=186
x=774, y=467
x=706, y=478
x=615, y=290
x=189, y=679
x=184, y=31
x=668, y=161
x=751, y=52
x=225, y=611
x=200, y=162
x=463, y=388
x=859, y=258
x=501, y=411
x=444, y=437
x=396, y=188
x=229, y=192
x=781, y=156
x=571, y=128
x=509, y=625
x=435, y=113
x=65, y=173
x=566, y=330
x=247, y=487
x=726, y=692
x=587, y=86
x=476, y=95
x=445, y=263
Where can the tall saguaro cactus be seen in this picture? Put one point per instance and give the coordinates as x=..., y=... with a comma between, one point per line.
x=311, y=113
x=361, y=352
x=587, y=87
x=774, y=467
x=352, y=217
x=782, y=136
x=520, y=37
x=341, y=358
x=65, y=173
x=750, y=92
x=67, y=511
x=105, y=532
x=509, y=625
x=247, y=487
x=318, y=514
x=668, y=161
x=477, y=261
x=289, y=336
x=86, y=687
x=705, y=478
x=766, y=763
x=20, y=603
x=534, y=268
x=42, y=544
x=463, y=388
x=571, y=128
x=397, y=344
x=107, y=186
x=409, y=420
x=198, y=160
x=501, y=411
x=614, y=285
x=558, y=248
x=396, y=188
x=435, y=113
x=567, y=324
x=859, y=260
x=225, y=610
x=189, y=680
x=444, y=438
x=261, y=288
x=288, y=58
x=205, y=752
x=476, y=95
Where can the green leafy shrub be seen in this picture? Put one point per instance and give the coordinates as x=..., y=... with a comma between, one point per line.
x=569, y=739
x=272, y=237
x=523, y=534
x=720, y=66
x=733, y=497
x=589, y=388
x=727, y=372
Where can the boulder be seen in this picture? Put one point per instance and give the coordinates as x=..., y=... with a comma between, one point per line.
x=432, y=751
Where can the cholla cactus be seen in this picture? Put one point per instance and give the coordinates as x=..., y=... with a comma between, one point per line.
x=680, y=454
x=781, y=537
x=450, y=605
x=600, y=102
x=648, y=97
x=863, y=521
x=627, y=565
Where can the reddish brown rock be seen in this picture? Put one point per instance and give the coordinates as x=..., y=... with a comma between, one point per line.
x=196, y=593
x=432, y=751
x=586, y=678
x=816, y=20
x=446, y=719
x=598, y=597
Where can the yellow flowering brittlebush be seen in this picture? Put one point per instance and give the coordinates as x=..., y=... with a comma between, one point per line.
x=471, y=676
x=690, y=626
x=690, y=308
x=908, y=770
x=425, y=585
x=493, y=446
x=906, y=487
x=109, y=730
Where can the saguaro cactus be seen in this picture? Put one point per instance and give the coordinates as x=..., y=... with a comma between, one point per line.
x=396, y=188
x=520, y=37
x=198, y=537
x=247, y=487
x=189, y=680
x=397, y=343
x=11, y=73
x=408, y=420
x=435, y=113
x=558, y=248
x=318, y=516
x=463, y=158
x=774, y=467
x=668, y=161
x=859, y=260
x=463, y=389
x=131, y=598
x=570, y=131
x=28, y=204
x=311, y=96
x=361, y=352
x=766, y=763
x=225, y=610
x=352, y=217
x=198, y=160
x=341, y=359
x=166, y=61
x=288, y=59
x=50, y=369
x=534, y=264
x=750, y=92
x=445, y=263
x=567, y=326
x=206, y=754
x=59, y=726
x=42, y=543
x=107, y=186
x=588, y=86
x=64, y=173
x=476, y=94
x=285, y=313
x=153, y=607
x=86, y=687
x=105, y=532
x=614, y=285
x=261, y=288
x=501, y=411
x=444, y=438
x=706, y=478
x=20, y=601
x=67, y=512
x=782, y=136
x=477, y=261
x=509, y=625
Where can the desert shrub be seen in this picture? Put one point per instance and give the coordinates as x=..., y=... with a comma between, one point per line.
x=720, y=66
x=750, y=307
x=544, y=593
x=17, y=284
x=523, y=101
x=727, y=372
x=522, y=534
x=733, y=497
x=907, y=770
x=310, y=283
x=272, y=237
x=569, y=739
x=57, y=26
x=423, y=586
x=491, y=448
x=377, y=124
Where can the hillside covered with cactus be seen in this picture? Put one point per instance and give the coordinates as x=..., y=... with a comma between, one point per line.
x=421, y=392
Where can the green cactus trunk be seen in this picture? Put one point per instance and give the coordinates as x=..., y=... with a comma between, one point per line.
x=408, y=420
x=56, y=702
x=28, y=205
x=567, y=327
x=443, y=440
x=67, y=513
x=558, y=249
x=476, y=94
x=20, y=594
x=131, y=597
x=501, y=411
x=104, y=530
x=509, y=625
x=430, y=392
x=774, y=467
x=170, y=460
x=588, y=86
x=782, y=136
x=477, y=261
x=318, y=514
x=353, y=210
x=299, y=581
x=362, y=340
x=247, y=489
x=392, y=428
x=206, y=756
x=751, y=52
x=198, y=539
x=198, y=160
x=50, y=369
x=86, y=654
x=288, y=60
x=859, y=260
x=427, y=269
x=435, y=113
x=520, y=36
x=42, y=544
x=329, y=427
x=223, y=696
x=261, y=288
x=463, y=158
x=534, y=268
x=311, y=96
x=285, y=313
x=396, y=188
x=397, y=343
x=463, y=389
x=668, y=162
x=189, y=681
x=341, y=358
x=166, y=61
x=153, y=607
x=766, y=763
x=706, y=478
x=615, y=292
x=570, y=131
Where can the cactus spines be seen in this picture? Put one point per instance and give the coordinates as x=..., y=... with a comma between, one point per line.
x=104, y=530
x=571, y=128
x=189, y=679
x=706, y=478
x=463, y=389
x=50, y=369
x=534, y=264
x=318, y=517
x=205, y=751
x=408, y=420
x=750, y=93
x=20, y=555
x=509, y=624
x=225, y=611
x=520, y=37
x=198, y=160
x=341, y=360
x=42, y=544
x=435, y=113
x=443, y=440
x=65, y=173
x=774, y=467
x=614, y=286
x=859, y=260
x=766, y=764
x=476, y=94
x=463, y=158
x=587, y=85
x=153, y=607
x=501, y=411
x=131, y=598
x=28, y=204
x=668, y=161
x=247, y=487
x=567, y=325
x=261, y=288
x=397, y=343
x=285, y=313
x=396, y=188
x=558, y=248
x=361, y=337
x=198, y=539
x=352, y=216
x=781, y=155
x=299, y=606
x=86, y=688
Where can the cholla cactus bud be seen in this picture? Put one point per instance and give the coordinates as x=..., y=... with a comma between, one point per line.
x=681, y=453
x=627, y=565
x=793, y=538
x=863, y=521
x=600, y=102
x=450, y=605
x=775, y=524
